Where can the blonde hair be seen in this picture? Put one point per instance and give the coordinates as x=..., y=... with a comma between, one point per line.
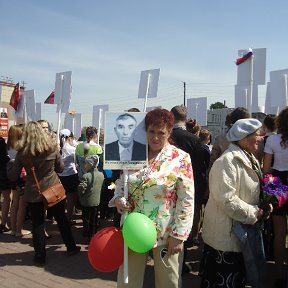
x=35, y=141
x=14, y=135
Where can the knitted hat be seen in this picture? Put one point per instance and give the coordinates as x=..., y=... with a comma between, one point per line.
x=92, y=160
x=242, y=128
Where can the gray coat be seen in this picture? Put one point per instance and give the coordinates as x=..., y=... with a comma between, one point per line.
x=89, y=189
x=46, y=169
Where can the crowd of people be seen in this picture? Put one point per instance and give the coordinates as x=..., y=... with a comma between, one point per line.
x=193, y=191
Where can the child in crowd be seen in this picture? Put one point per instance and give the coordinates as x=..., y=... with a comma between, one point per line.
x=89, y=192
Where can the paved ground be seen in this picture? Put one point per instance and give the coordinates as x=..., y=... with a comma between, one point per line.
x=17, y=269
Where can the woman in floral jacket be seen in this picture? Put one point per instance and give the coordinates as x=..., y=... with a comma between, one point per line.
x=163, y=191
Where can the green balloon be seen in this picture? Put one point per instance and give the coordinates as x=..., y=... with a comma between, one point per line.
x=139, y=232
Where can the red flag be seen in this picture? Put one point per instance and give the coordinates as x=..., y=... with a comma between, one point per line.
x=50, y=99
x=15, y=97
x=244, y=58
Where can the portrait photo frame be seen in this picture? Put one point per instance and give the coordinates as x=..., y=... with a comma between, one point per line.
x=112, y=148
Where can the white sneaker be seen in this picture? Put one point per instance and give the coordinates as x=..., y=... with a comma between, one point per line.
x=23, y=233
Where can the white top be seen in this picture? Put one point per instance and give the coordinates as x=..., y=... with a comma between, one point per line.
x=280, y=153
x=68, y=156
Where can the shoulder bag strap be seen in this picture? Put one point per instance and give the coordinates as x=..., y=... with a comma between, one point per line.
x=34, y=175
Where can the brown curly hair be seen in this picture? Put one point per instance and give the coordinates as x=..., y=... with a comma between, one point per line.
x=282, y=126
x=192, y=126
x=159, y=117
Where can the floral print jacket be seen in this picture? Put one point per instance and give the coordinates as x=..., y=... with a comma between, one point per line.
x=164, y=191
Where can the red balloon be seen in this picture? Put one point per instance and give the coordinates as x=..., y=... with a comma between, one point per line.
x=106, y=249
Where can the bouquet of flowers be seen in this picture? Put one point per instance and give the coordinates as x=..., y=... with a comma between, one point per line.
x=274, y=191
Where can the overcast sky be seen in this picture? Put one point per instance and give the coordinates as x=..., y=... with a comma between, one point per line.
x=107, y=43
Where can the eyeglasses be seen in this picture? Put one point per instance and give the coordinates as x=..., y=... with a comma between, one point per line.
x=164, y=257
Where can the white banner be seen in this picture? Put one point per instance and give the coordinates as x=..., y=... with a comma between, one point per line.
x=98, y=115
x=38, y=111
x=149, y=83
x=63, y=91
x=197, y=109
x=73, y=122
x=278, y=88
x=30, y=105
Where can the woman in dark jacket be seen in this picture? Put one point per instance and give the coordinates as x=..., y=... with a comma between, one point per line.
x=36, y=149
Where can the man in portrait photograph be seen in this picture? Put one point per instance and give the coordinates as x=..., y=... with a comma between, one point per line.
x=125, y=148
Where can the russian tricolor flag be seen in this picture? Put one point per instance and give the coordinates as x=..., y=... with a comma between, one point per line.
x=244, y=58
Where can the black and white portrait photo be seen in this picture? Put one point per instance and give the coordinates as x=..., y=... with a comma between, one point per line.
x=125, y=140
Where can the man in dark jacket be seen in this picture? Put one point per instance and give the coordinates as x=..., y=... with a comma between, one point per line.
x=191, y=144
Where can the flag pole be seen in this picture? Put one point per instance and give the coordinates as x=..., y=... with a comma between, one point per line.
x=250, y=95
x=246, y=98
x=60, y=107
x=99, y=125
x=73, y=124
x=125, y=270
x=286, y=90
x=72, y=114
x=196, y=111
x=147, y=91
x=24, y=111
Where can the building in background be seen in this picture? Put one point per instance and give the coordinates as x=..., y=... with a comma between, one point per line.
x=216, y=120
x=6, y=90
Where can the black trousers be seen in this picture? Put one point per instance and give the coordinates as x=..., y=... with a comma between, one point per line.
x=90, y=220
x=106, y=196
x=38, y=216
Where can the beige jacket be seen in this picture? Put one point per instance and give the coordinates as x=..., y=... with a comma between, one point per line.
x=234, y=195
x=46, y=168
